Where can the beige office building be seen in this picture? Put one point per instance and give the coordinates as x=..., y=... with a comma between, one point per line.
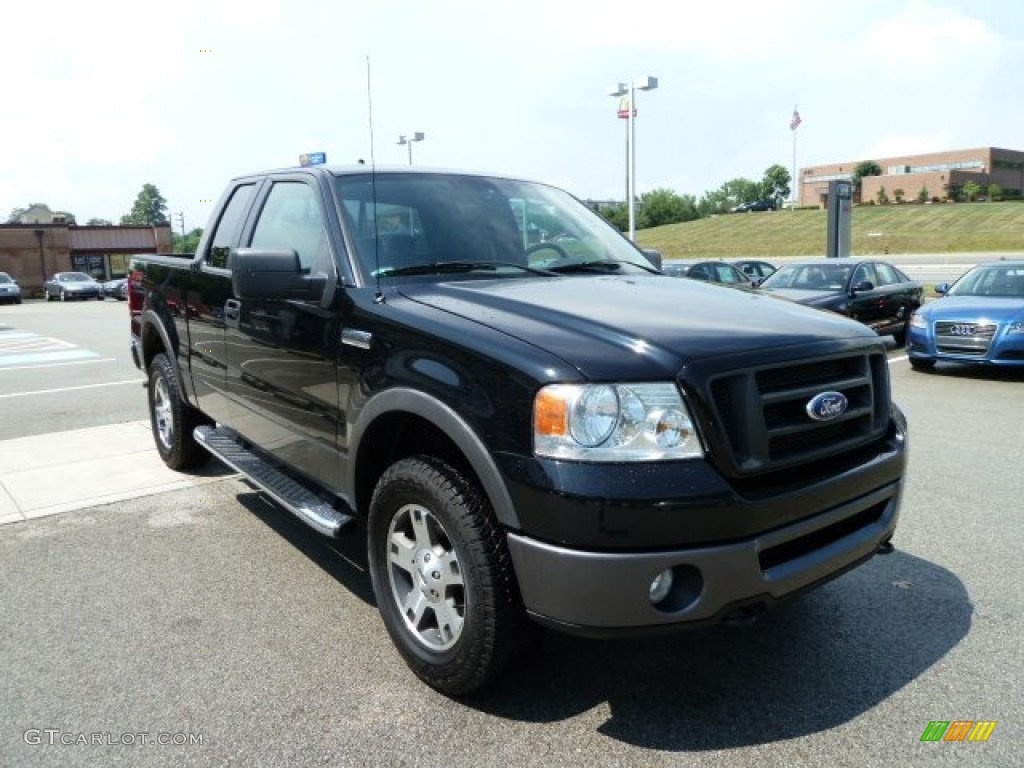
x=941, y=175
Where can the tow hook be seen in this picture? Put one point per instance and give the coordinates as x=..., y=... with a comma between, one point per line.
x=886, y=547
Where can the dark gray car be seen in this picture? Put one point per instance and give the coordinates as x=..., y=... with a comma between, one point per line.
x=874, y=292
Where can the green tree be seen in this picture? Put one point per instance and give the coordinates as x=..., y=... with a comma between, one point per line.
x=663, y=206
x=882, y=197
x=775, y=184
x=922, y=196
x=150, y=208
x=995, y=193
x=616, y=214
x=862, y=169
x=897, y=195
x=728, y=196
x=971, y=190
x=188, y=243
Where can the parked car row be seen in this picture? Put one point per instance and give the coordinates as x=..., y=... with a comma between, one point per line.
x=874, y=292
x=66, y=286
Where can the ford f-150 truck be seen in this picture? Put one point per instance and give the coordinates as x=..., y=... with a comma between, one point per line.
x=531, y=423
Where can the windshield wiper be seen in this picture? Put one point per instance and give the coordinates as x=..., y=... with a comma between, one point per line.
x=455, y=267
x=598, y=265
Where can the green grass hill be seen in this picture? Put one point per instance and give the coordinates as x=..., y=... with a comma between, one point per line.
x=893, y=229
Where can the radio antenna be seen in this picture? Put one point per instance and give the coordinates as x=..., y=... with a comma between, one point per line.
x=378, y=297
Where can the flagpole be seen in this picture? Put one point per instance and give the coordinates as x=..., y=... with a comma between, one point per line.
x=796, y=191
x=794, y=124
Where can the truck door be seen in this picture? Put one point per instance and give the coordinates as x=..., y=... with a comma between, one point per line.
x=282, y=372
x=206, y=301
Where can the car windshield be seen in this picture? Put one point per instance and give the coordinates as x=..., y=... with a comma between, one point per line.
x=5, y=278
x=810, y=277
x=417, y=224
x=74, y=277
x=999, y=281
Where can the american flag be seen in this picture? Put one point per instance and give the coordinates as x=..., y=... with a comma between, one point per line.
x=794, y=123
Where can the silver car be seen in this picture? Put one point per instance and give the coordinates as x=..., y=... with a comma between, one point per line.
x=10, y=291
x=72, y=285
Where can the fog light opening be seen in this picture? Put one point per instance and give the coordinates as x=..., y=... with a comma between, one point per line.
x=661, y=586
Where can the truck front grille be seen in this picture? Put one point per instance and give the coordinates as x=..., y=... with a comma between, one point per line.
x=762, y=412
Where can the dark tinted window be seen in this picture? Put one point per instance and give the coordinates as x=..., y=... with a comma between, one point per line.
x=229, y=226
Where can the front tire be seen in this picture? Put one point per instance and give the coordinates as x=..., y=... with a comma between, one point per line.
x=172, y=419
x=442, y=575
x=921, y=363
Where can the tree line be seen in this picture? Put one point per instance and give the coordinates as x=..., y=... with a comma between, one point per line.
x=664, y=206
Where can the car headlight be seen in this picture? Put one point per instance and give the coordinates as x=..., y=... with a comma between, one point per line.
x=1017, y=327
x=614, y=422
x=916, y=321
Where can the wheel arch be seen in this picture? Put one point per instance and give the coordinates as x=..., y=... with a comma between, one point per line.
x=403, y=422
x=156, y=339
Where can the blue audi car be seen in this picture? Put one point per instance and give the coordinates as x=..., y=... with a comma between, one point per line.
x=978, y=320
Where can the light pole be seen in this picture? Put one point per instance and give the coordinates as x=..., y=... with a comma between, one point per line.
x=619, y=90
x=408, y=140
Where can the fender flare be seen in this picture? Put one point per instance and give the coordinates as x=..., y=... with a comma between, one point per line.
x=454, y=426
x=150, y=319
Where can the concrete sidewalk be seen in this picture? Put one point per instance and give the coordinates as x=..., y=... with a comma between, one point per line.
x=44, y=475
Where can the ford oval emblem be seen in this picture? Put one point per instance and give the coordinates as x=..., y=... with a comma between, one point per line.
x=827, y=406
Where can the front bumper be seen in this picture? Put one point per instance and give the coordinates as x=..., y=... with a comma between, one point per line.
x=586, y=555
x=1004, y=349
x=599, y=593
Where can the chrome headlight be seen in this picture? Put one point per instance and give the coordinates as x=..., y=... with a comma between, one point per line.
x=1017, y=327
x=613, y=422
x=916, y=321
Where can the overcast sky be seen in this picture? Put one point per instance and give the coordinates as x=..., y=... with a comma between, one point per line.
x=102, y=97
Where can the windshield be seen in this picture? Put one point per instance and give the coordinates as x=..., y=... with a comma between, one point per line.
x=406, y=224
x=5, y=278
x=1000, y=281
x=74, y=277
x=810, y=277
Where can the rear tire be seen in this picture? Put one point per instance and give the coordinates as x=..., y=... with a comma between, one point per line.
x=442, y=576
x=921, y=363
x=172, y=419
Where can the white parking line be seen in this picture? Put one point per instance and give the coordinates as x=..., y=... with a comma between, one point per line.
x=55, y=365
x=896, y=359
x=72, y=389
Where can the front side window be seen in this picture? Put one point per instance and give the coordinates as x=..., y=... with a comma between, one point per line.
x=291, y=219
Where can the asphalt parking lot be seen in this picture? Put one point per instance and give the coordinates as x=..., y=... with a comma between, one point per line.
x=205, y=617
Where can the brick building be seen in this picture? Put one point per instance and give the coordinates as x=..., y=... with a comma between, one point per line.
x=941, y=174
x=30, y=253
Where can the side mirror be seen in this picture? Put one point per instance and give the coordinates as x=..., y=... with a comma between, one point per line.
x=942, y=288
x=863, y=285
x=272, y=274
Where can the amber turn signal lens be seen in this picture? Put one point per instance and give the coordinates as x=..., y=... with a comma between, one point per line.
x=550, y=414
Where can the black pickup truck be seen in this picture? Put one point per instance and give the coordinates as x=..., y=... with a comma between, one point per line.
x=529, y=419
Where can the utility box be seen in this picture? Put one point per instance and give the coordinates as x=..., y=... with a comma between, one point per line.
x=840, y=204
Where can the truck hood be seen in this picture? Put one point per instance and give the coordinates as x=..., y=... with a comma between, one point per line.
x=616, y=326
